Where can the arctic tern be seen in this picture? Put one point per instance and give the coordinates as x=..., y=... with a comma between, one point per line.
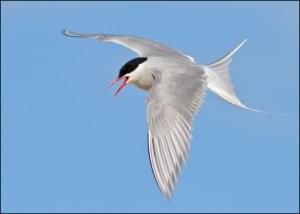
x=176, y=85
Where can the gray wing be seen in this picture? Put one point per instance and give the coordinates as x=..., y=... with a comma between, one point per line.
x=174, y=99
x=141, y=46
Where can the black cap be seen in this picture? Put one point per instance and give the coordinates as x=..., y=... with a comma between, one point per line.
x=131, y=65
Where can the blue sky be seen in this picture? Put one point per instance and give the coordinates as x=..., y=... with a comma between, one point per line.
x=68, y=145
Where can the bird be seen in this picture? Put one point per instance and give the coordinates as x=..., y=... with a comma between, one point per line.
x=177, y=85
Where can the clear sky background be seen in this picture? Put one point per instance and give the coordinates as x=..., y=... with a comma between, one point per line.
x=68, y=145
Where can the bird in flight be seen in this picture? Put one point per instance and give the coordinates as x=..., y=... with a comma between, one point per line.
x=176, y=85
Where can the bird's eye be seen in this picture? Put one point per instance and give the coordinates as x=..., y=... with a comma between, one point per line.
x=153, y=76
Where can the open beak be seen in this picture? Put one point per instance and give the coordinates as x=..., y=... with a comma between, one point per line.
x=124, y=83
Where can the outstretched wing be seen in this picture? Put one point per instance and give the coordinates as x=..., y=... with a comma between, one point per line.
x=143, y=47
x=174, y=98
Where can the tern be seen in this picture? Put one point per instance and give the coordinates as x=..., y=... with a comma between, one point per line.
x=177, y=85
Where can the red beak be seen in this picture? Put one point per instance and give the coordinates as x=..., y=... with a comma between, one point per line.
x=124, y=83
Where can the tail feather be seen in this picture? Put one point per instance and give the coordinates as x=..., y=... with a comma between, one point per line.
x=219, y=80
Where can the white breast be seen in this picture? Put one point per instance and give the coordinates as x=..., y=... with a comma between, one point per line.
x=145, y=81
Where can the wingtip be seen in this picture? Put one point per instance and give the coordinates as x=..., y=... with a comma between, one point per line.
x=168, y=195
x=67, y=33
x=70, y=33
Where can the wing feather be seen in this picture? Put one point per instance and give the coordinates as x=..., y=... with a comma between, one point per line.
x=143, y=47
x=174, y=99
x=154, y=166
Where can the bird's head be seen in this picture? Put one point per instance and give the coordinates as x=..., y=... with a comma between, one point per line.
x=126, y=72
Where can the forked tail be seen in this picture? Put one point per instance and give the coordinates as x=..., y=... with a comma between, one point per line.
x=219, y=80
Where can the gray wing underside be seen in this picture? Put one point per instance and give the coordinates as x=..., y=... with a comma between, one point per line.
x=143, y=47
x=174, y=99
